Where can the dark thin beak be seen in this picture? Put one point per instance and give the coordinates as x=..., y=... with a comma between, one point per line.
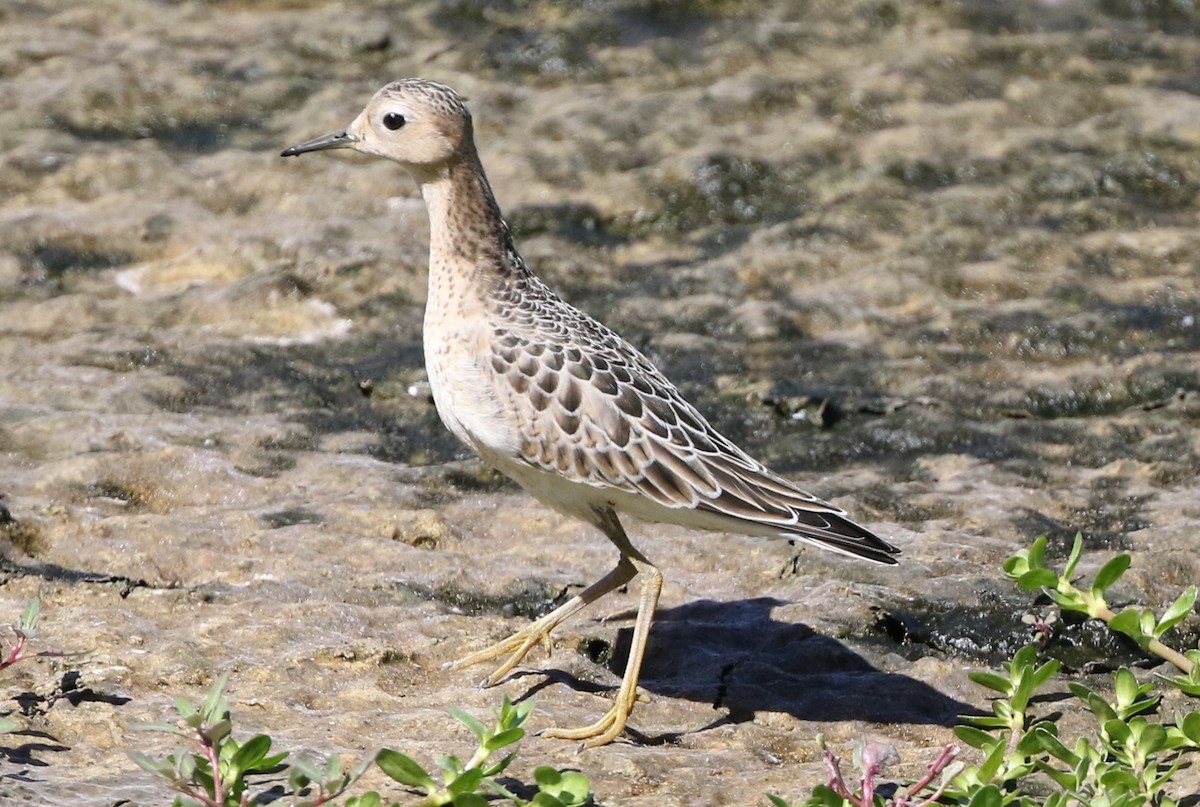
x=337, y=140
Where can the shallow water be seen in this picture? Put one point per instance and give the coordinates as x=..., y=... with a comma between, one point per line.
x=939, y=263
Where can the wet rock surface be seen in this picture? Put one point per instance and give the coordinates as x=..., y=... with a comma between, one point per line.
x=937, y=262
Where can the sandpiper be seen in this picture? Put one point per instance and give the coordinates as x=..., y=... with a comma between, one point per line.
x=556, y=400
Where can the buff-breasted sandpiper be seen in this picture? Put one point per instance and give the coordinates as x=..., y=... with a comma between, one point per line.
x=556, y=400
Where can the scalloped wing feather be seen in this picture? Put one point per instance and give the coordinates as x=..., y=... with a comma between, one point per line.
x=599, y=413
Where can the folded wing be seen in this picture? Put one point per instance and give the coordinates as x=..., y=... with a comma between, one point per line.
x=601, y=414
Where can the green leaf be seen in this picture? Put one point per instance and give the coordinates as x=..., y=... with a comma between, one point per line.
x=1049, y=742
x=1029, y=745
x=466, y=782
x=403, y=769
x=1035, y=579
x=1190, y=726
x=333, y=768
x=507, y=737
x=1022, y=660
x=149, y=763
x=545, y=800
x=976, y=738
x=252, y=753
x=1036, y=556
x=368, y=799
x=1016, y=565
x=824, y=796
x=547, y=778
x=501, y=790
x=218, y=730
x=190, y=766
x=214, y=705
x=1148, y=623
x=451, y=764
x=569, y=787
x=1118, y=779
x=572, y=788
x=470, y=721
x=497, y=767
x=1125, y=687
x=29, y=617
x=1152, y=739
x=512, y=714
x=1064, y=779
x=1099, y=707
x=298, y=780
x=1023, y=690
x=1068, y=601
x=185, y=707
x=1110, y=573
x=1128, y=622
x=1187, y=684
x=303, y=766
x=1073, y=559
x=1082, y=691
x=991, y=680
x=1045, y=672
x=991, y=763
x=987, y=796
x=1118, y=730
x=1177, y=611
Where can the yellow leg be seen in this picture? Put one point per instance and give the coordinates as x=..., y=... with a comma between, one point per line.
x=632, y=563
x=524, y=640
x=609, y=727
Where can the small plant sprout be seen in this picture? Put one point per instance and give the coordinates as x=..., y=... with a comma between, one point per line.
x=321, y=785
x=214, y=769
x=1130, y=757
x=216, y=774
x=1127, y=757
x=463, y=784
x=1042, y=624
x=25, y=632
x=1028, y=569
x=872, y=759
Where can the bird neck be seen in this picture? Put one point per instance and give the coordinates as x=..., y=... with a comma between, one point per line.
x=467, y=235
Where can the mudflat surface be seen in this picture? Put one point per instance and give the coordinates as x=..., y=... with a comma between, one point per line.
x=937, y=262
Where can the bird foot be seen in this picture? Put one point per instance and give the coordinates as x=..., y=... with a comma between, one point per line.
x=608, y=727
x=602, y=732
x=517, y=646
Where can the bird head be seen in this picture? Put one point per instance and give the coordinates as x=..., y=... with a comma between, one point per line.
x=420, y=124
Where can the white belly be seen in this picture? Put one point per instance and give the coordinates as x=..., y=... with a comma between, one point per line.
x=464, y=395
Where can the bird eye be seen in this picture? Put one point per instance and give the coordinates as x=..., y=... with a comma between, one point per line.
x=393, y=120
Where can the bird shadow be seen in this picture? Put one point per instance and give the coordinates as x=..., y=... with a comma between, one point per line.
x=740, y=659
x=26, y=753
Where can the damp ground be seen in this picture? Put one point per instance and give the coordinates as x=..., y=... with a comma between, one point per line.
x=939, y=263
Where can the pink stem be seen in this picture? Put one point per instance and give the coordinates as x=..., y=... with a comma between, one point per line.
x=210, y=753
x=15, y=655
x=868, y=785
x=937, y=766
x=836, y=783
x=937, y=794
